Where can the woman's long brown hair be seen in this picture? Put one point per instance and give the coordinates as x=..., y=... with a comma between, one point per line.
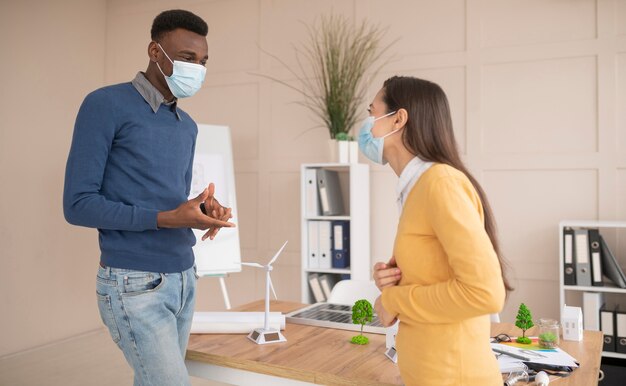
x=428, y=134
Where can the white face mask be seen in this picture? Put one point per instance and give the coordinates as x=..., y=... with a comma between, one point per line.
x=370, y=146
x=186, y=78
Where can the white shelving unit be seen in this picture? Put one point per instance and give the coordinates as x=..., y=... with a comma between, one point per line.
x=575, y=289
x=355, y=187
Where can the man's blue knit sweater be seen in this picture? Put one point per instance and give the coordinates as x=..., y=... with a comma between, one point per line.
x=126, y=164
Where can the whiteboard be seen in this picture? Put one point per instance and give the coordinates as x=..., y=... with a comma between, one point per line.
x=213, y=162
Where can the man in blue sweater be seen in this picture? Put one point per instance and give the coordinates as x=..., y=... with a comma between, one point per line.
x=128, y=175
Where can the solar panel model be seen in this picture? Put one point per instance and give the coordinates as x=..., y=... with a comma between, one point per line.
x=332, y=315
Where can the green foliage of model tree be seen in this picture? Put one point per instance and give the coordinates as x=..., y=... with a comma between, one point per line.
x=362, y=312
x=524, y=321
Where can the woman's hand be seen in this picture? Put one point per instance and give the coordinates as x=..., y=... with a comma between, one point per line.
x=387, y=275
x=386, y=319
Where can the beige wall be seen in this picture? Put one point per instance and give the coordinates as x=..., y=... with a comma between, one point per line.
x=537, y=90
x=52, y=55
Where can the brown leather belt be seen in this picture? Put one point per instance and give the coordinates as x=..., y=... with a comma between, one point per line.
x=102, y=265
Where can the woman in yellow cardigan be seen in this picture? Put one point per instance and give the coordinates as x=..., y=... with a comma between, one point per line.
x=445, y=276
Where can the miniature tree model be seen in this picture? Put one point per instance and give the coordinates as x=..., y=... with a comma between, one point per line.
x=362, y=312
x=524, y=321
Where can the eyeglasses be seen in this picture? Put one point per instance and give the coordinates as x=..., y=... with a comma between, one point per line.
x=500, y=338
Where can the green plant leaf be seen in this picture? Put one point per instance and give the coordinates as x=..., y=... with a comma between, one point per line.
x=333, y=65
x=342, y=137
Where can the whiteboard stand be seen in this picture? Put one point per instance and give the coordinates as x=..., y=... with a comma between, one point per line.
x=225, y=292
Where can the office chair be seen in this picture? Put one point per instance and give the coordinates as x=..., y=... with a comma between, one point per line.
x=349, y=291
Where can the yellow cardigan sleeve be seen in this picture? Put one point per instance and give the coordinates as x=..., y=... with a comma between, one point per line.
x=476, y=286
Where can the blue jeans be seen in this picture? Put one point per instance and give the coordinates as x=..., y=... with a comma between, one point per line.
x=148, y=315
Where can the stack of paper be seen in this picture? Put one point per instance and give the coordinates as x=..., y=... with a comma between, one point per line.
x=512, y=354
x=509, y=364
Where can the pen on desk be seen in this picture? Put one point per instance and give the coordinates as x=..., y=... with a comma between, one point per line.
x=518, y=356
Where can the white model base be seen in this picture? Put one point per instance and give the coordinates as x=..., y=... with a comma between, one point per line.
x=261, y=336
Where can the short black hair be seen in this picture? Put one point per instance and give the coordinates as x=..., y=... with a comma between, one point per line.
x=168, y=21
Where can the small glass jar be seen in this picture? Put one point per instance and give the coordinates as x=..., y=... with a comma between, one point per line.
x=548, y=333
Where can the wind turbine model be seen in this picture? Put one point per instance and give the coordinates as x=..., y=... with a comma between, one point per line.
x=266, y=334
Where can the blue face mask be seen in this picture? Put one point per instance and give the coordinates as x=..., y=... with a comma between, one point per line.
x=370, y=146
x=186, y=78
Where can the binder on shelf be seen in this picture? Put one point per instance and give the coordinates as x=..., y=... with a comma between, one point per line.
x=607, y=323
x=596, y=259
x=316, y=288
x=314, y=244
x=325, y=244
x=569, y=265
x=326, y=282
x=620, y=330
x=581, y=253
x=341, y=244
x=312, y=199
x=592, y=303
x=610, y=266
x=329, y=189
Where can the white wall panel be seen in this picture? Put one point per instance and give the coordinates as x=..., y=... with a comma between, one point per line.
x=247, y=205
x=233, y=34
x=284, y=24
x=294, y=130
x=420, y=26
x=233, y=105
x=284, y=209
x=515, y=22
x=620, y=102
x=547, y=106
x=620, y=17
x=528, y=205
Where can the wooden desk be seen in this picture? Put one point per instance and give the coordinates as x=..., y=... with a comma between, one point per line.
x=317, y=355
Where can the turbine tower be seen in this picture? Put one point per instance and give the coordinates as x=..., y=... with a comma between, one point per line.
x=266, y=334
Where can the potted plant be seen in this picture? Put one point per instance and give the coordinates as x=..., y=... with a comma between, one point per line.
x=524, y=321
x=362, y=312
x=340, y=54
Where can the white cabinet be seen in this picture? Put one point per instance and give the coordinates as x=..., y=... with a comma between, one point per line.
x=572, y=295
x=355, y=193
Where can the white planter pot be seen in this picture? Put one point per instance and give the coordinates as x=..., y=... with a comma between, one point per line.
x=344, y=152
x=353, y=150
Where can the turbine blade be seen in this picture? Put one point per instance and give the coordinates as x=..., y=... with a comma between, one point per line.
x=252, y=265
x=278, y=253
x=272, y=287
